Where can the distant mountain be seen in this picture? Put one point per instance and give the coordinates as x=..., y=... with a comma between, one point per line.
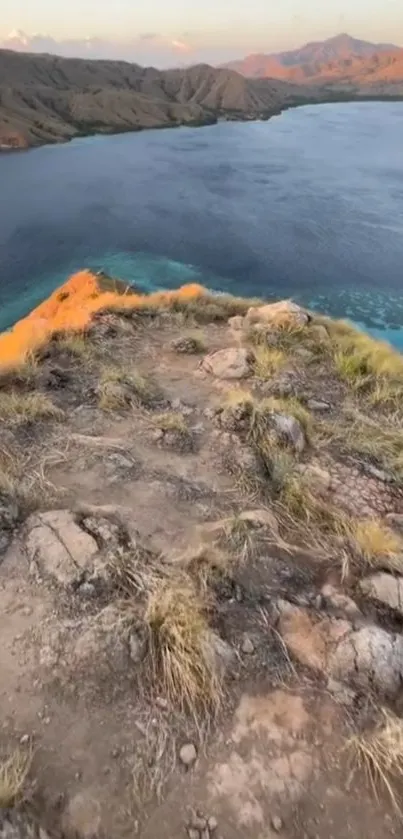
x=341, y=59
x=45, y=98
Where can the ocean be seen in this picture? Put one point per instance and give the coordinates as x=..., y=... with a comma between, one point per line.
x=308, y=205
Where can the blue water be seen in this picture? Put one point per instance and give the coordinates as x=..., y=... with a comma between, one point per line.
x=308, y=205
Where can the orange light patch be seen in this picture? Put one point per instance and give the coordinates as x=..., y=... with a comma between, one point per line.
x=71, y=308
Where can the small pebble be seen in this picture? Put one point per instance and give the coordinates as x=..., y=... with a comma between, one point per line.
x=115, y=752
x=78, y=776
x=247, y=646
x=24, y=739
x=198, y=822
x=188, y=754
x=193, y=833
x=276, y=823
x=161, y=703
x=212, y=824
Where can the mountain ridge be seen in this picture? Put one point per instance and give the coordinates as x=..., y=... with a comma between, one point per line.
x=341, y=59
x=46, y=98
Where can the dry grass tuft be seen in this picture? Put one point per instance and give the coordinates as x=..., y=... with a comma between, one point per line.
x=380, y=442
x=26, y=407
x=77, y=344
x=380, y=754
x=364, y=362
x=132, y=571
x=183, y=660
x=171, y=421
x=120, y=387
x=207, y=563
x=268, y=362
x=375, y=545
x=13, y=774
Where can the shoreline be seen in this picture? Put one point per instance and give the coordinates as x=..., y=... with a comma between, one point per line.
x=212, y=119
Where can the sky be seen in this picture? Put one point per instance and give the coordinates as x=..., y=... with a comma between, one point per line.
x=183, y=31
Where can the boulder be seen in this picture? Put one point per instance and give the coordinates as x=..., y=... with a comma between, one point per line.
x=282, y=314
x=231, y=363
x=290, y=430
x=367, y=657
x=385, y=589
x=58, y=548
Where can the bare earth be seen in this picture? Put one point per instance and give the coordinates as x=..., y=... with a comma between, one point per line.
x=76, y=685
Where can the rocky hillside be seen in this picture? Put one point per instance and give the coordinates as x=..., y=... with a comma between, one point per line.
x=201, y=570
x=44, y=98
x=341, y=63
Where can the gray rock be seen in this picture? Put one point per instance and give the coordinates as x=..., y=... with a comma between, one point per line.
x=212, y=824
x=291, y=430
x=87, y=590
x=318, y=405
x=247, y=646
x=193, y=833
x=106, y=532
x=385, y=589
x=282, y=313
x=188, y=754
x=186, y=344
x=370, y=657
x=366, y=657
x=231, y=363
x=58, y=547
x=276, y=823
x=138, y=645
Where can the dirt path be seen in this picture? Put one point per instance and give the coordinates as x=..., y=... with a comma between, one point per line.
x=149, y=478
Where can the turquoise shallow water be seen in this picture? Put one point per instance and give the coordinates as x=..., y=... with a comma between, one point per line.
x=308, y=205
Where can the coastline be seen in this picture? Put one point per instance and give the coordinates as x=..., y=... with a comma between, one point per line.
x=210, y=119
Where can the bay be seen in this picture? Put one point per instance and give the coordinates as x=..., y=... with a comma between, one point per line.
x=307, y=205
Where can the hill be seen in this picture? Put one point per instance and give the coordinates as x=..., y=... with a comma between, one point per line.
x=201, y=570
x=341, y=61
x=45, y=98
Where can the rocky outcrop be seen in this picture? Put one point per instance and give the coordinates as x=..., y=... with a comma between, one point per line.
x=277, y=315
x=384, y=589
x=231, y=363
x=367, y=656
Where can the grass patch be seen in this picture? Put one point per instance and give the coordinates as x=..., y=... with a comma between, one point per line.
x=363, y=362
x=23, y=374
x=183, y=661
x=207, y=307
x=122, y=387
x=171, y=421
x=26, y=407
x=76, y=344
x=191, y=343
x=380, y=442
x=13, y=774
x=268, y=362
x=380, y=754
x=207, y=563
x=376, y=545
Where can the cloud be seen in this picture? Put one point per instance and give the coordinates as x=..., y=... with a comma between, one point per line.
x=181, y=46
x=146, y=48
x=148, y=36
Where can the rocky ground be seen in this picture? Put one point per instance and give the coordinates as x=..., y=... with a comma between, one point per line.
x=201, y=600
